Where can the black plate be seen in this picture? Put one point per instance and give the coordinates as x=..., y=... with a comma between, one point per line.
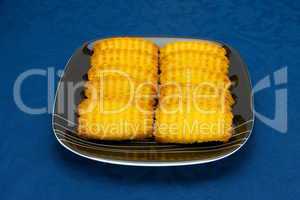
x=148, y=152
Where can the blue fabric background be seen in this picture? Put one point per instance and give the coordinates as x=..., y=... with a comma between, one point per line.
x=36, y=34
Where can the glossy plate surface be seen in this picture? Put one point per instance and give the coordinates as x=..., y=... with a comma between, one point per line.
x=148, y=152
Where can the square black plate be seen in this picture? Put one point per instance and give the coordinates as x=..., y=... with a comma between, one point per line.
x=148, y=152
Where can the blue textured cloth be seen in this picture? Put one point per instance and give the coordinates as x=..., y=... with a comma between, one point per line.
x=36, y=34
